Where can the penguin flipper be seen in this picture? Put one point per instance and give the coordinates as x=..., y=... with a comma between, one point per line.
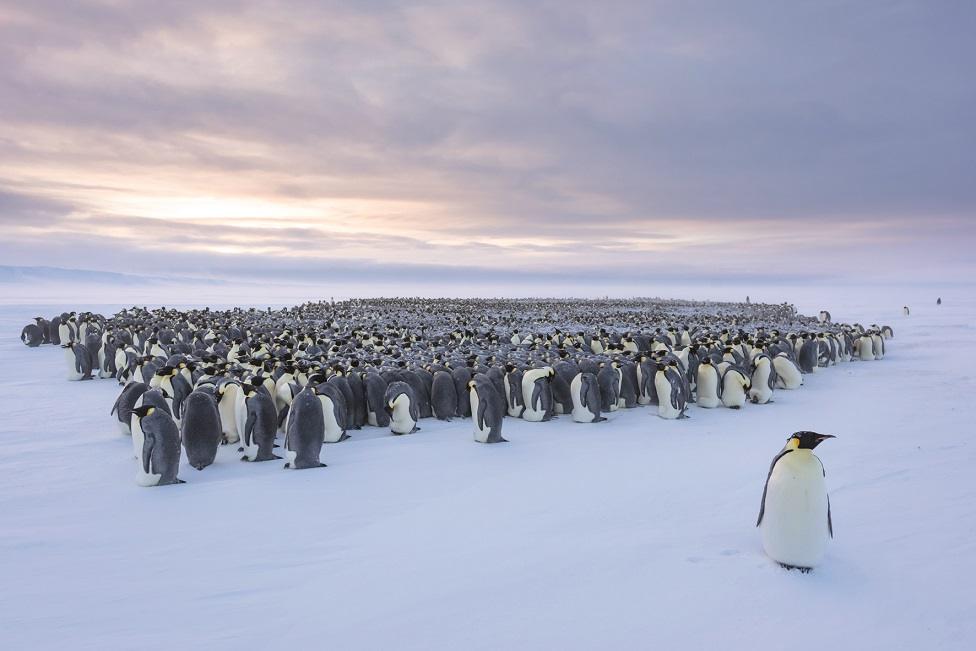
x=830, y=523
x=762, y=504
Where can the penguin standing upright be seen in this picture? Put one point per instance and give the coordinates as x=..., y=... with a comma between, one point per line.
x=200, y=428
x=794, y=515
x=260, y=425
x=305, y=432
x=487, y=410
x=709, y=385
x=670, y=390
x=159, y=460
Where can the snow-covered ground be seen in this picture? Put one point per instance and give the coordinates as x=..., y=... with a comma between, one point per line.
x=635, y=533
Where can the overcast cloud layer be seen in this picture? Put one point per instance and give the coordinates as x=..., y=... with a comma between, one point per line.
x=484, y=143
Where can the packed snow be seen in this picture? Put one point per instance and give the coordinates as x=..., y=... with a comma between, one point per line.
x=632, y=533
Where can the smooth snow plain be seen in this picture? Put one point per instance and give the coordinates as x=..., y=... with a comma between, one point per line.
x=634, y=533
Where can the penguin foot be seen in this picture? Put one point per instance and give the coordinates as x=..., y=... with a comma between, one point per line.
x=287, y=466
x=803, y=570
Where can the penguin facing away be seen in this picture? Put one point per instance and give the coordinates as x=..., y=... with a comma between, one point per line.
x=794, y=515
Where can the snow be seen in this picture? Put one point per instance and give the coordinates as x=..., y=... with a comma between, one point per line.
x=633, y=533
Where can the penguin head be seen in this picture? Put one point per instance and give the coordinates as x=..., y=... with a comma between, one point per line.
x=143, y=411
x=806, y=440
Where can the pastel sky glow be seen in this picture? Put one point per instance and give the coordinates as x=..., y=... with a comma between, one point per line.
x=597, y=144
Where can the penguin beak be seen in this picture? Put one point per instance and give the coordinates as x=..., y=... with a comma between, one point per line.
x=823, y=437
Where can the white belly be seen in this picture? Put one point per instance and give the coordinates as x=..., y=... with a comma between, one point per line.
x=760, y=393
x=794, y=526
x=580, y=413
x=333, y=430
x=788, y=375
x=530, y=414
x=400, y=421
x=708, y=389
x=664, y=407
x=733, y=393
x=480, y=433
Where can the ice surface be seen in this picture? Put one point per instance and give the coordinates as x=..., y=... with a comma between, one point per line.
x=635, y=533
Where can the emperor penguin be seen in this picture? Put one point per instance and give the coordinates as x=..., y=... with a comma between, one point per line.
x=487, y=410
x=609, y=378
x=788, y=375
x=155, y=398
x=401, y=405
x=513, y=391
x=537, y=394
x=229, y=393
x=672, y=400
x=763, y=380
x=708, y=384
x=78, y=360
x=200, y=428
x=305, y=432
x=159, y=460
x=865, y=348
x=443, y=396
x=122, y=409
x=260, y=425
x=794, y=515
x=375, y=386
x=333, y=412
x=735, y=384
x=585, y=392
x=31, y=335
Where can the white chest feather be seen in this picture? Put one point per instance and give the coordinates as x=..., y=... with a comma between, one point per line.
x=794, y=525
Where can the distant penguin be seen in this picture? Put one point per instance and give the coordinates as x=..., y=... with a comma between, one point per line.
x=260, y=425
x=159, y=461
x=443, y=396
x=794, y=515
x=905, y=311
x=305, y=433
x=763, y=380
x=401, y=405
x=200, y=429
x=122, y=409
x=735, y=384
x=78, y=360
x=938, y=301
x=670, y=389
x=537, y=394
x=709, y=385
x=487, y=410
x=585, y=392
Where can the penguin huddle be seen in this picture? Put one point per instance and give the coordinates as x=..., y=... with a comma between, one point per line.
x=295, y=379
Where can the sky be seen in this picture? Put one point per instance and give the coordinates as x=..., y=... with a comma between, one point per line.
x=565, y=147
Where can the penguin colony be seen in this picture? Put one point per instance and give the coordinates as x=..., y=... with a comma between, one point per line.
x=196, y=379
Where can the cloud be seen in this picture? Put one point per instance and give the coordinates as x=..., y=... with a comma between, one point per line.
x=673, y=139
